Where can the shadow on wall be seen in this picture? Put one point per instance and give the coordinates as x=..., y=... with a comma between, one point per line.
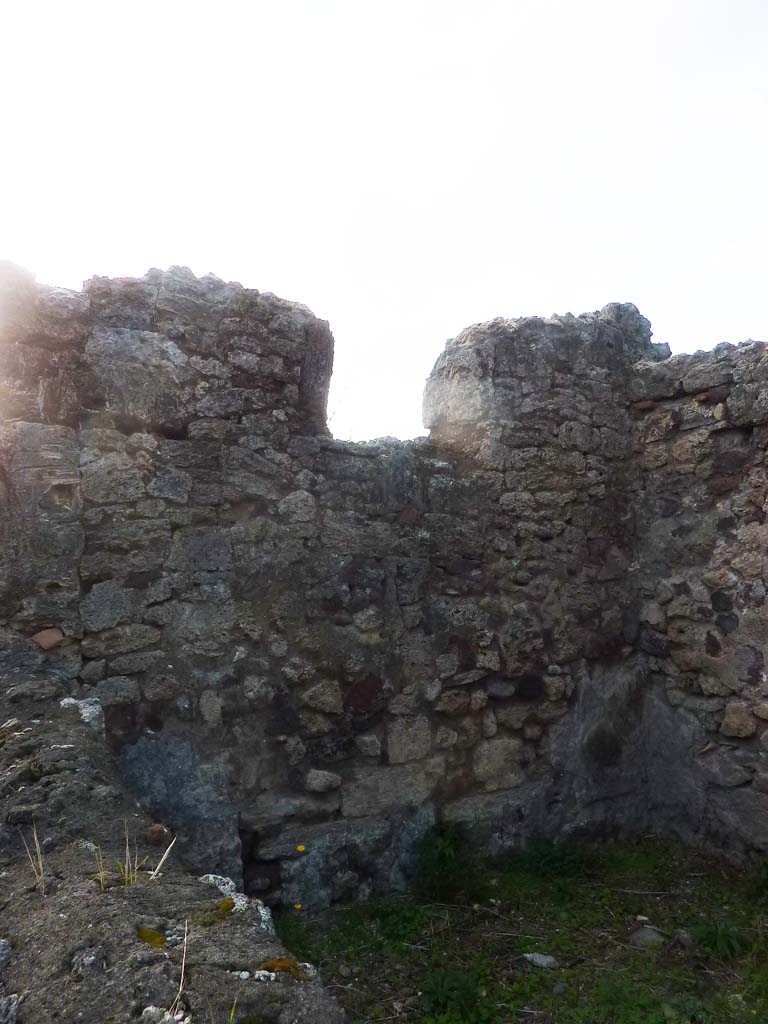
x=176, y=785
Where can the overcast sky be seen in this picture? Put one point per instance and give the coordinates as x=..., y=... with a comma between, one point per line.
x=405, y=168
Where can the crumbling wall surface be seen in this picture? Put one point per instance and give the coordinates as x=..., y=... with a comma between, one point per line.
x=301, y=642
x=701, y=428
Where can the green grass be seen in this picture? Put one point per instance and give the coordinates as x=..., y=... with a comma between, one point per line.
x=458, y=960
x=447, y=870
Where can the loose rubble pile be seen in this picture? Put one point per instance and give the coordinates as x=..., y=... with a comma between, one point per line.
x=546, y=618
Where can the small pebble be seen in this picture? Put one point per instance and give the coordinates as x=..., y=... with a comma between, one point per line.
x=152, y=1014
x=646, y=937
x=684, y=939
x=542, y=960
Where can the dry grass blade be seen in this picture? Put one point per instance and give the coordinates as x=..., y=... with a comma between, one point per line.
x=129, y=868
x=177, y=1001
x=36, y=861
x=100, y=872
x=156, y=872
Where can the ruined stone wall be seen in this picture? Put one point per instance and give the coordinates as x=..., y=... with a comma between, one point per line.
x=543, y=619
x=701, y=431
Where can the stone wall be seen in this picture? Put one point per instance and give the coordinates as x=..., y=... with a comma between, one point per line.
x=544, y=619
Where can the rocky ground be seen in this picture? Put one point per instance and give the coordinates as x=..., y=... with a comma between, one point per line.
x=86, y=933
x=642, y=933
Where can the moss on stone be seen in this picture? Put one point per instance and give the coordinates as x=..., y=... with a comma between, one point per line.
x=151, y=936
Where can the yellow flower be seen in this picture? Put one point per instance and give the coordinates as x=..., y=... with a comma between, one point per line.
x=300, y=849
x=297, y=906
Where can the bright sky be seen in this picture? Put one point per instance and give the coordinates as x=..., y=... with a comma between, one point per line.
x=405, y=168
